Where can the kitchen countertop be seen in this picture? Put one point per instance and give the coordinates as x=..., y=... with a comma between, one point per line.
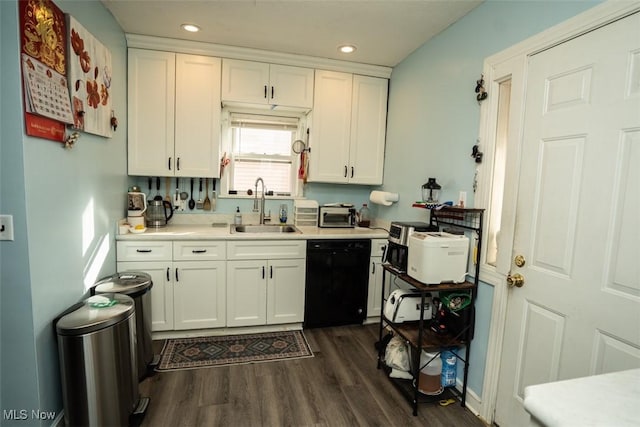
x=208, y=232
x=599, y=400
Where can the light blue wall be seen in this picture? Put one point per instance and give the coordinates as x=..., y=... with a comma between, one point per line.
x=433, y=118
x=65, y=204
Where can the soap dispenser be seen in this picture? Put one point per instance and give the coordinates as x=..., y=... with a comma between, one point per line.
x=237, y=219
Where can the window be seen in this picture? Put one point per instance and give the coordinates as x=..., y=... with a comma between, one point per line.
x=499, y=167
x=260, y=145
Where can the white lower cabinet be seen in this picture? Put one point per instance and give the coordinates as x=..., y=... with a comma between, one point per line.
x=374, y=301
x=199, y=294
x=189, y=294
x=265, y=282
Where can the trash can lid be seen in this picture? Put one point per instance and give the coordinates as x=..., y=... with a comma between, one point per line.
x=96, y=313
x=129, y=283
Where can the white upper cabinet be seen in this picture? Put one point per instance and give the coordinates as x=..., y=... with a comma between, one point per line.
x=368, y=129
x=348, y=128
x=174, y=114
x=151, y=106
x=267, y=84
x=197, y=141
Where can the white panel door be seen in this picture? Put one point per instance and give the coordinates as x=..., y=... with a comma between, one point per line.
x=285, y=291
x=199, y=294
x=291, y=86
x=151, y=104
x=330, y=133
x=197, y=116
x=246, y=293
x=161, y=291
x=245, y=81
x=368, y=130
x=578, y=211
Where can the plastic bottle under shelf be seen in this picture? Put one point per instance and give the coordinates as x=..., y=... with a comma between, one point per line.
x=237, y=219
x=449, y=371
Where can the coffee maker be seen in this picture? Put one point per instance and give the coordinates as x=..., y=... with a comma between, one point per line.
x=136, y=207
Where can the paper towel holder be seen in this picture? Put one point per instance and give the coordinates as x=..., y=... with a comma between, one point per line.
x=383, y=198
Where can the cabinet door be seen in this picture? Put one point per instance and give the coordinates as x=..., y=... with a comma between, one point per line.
x=197, y=116
x=199, y=294
x=245, y=81
x=291, y=86
x=246, y=293
x=285, y=291
x=368, y=129
x=151, y=96
x=161, y=291
x=374, y=299
x=331, y=127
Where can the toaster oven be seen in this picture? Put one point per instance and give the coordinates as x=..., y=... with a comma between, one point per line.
x=337, y=217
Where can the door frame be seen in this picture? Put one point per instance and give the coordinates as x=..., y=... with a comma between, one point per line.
x=513, y=62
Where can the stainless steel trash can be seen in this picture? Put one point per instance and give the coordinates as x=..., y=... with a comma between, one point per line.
x=136, y=285
x=96, y=345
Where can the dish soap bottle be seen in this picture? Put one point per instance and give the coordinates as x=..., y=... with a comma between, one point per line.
x=237, y=219
x=363, y=215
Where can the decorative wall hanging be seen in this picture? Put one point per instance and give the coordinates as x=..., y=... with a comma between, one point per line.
x=89, y=64
x=43, y=59
x=480, y=90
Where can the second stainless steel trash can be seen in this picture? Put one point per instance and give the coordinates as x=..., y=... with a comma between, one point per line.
x=96, y=344
x=136, y=285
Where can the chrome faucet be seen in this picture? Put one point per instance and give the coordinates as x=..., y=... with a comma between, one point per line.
x=263, y=217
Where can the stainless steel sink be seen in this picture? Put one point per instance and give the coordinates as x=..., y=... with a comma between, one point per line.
x=264, y=228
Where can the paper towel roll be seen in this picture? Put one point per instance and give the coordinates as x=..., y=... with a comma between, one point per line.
x=383, y=198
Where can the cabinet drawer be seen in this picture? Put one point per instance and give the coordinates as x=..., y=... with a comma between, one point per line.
x=199, y=251
x=143, y=251
x=378, y=246
x=267, y=249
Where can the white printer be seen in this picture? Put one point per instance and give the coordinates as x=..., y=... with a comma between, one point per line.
x=437, y=257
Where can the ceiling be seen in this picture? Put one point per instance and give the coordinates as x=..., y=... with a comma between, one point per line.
x=384, y=31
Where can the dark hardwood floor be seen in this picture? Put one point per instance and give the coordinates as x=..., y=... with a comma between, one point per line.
x=340, y=386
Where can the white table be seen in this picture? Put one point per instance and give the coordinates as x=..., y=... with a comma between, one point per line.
x=600, y=400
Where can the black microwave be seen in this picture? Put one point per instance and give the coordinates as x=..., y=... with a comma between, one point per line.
x=397, y=255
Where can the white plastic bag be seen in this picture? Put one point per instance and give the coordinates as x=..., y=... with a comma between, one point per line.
x=396, y=355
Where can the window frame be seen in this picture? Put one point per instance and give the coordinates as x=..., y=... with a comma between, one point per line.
x=297, y=188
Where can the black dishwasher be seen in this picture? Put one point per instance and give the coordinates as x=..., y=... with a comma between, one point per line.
x=337, y=282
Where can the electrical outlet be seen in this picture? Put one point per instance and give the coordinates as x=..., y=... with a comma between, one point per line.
x=6, y=227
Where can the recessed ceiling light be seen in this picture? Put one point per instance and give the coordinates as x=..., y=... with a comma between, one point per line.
x=191, y=28
x=347, y=48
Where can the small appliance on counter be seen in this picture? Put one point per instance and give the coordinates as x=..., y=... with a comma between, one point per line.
x=337, y=215
x=397, y=250
x=159, y=212
x=136, y=207
x=438, y=257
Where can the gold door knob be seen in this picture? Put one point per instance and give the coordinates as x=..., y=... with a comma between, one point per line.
x=515, y=280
